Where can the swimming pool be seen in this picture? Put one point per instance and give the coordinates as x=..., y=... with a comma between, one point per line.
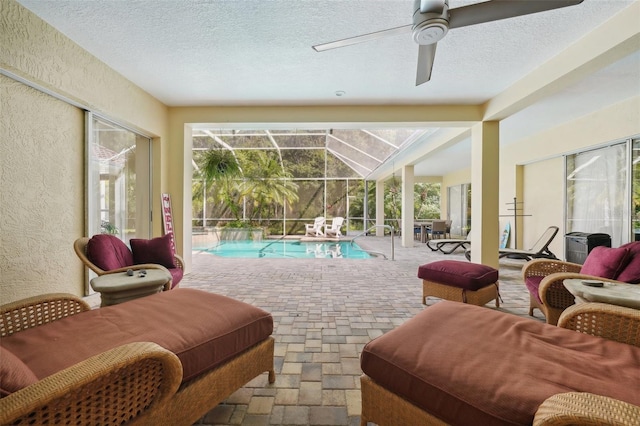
x=288, y=249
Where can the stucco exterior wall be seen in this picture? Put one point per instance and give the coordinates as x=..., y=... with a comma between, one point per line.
x=42, y=150
x=544, y=201
x=41, y=202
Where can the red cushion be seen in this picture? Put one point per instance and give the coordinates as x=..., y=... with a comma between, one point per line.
x=108, y=252
x=156, y=250
x=631, y=272
x=467, y=275
x=605, y=262
x=203, y=329
x=533, y=284
x=14, y=374
x=176, y=276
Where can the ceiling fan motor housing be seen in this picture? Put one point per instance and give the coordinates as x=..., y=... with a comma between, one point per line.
x=429, y=28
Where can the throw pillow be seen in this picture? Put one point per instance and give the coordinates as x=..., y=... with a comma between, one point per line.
x=14, y=374
x=108, y=252
x=631, y=272
x=156, y=250
x=605, y=262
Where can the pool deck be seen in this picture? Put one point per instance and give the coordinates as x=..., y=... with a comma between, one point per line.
x=325, y=311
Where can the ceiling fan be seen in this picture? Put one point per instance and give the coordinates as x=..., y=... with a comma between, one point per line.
x=433, y=18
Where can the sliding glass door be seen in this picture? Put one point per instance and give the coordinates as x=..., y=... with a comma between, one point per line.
x=118, y=180
x=459, y=209
x=598, y=199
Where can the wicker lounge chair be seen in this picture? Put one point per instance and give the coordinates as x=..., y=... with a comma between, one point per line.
x=386, y=408
x=136, y=383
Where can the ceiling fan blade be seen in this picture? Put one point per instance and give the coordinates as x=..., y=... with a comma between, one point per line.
x=362, y=38
x=431, y=6
x=426, y=54
x=502, y=9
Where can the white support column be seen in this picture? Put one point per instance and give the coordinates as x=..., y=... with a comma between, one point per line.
x=379, y=208
x=407, y=206
x=485, y=161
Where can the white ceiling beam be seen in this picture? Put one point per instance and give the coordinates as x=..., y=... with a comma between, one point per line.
x=606, y=44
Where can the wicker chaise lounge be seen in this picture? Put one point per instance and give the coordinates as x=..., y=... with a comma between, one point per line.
x=462, y=364
x=193, y=366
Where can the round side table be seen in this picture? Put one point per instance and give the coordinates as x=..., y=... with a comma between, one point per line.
x=120, y=287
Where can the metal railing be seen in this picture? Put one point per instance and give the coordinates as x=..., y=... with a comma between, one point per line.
x=261, y=252
x=390, y=228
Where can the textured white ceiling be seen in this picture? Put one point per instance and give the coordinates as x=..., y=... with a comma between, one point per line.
x=251, y=52
x=188, y=52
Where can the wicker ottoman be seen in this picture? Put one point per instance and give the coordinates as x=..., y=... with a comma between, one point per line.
x=460, y=282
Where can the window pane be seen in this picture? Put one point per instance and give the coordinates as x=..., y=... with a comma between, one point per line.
x=118, y=182
x=459, y=209
x=597, y=188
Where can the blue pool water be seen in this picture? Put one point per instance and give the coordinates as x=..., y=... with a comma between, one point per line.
x=288, y=249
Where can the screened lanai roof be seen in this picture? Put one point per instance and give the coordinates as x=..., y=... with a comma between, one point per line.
x=361, y=150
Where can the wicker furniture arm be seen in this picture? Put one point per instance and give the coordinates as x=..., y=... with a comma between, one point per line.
x=580, y=408
x=544, y=267
x=38, y=310
x=555, y=297
x=611, y=322
x=179, y=261
x=111, y=388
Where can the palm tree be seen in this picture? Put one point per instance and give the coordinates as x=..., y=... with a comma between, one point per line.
x=220, y=170
x=266, y=185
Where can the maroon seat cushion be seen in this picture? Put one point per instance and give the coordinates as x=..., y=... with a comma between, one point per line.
x=470, y=365
x=631, y=272
x=14, y=374
x=176, y=276
x=533, y=284
x=467, y=275
x=108, y=252
x=156, y=250
x=202, y=329
x=605, y=262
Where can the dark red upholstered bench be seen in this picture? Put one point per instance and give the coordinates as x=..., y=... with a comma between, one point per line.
x=460, y=282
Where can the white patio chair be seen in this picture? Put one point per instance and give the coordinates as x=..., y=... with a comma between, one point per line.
x=334, y=229
x=315, y=229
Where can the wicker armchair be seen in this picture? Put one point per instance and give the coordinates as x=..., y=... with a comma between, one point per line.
x=80, y=247
x=554, y=297
x=135, y=384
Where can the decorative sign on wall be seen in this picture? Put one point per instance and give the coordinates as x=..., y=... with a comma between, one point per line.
x=167, y=219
